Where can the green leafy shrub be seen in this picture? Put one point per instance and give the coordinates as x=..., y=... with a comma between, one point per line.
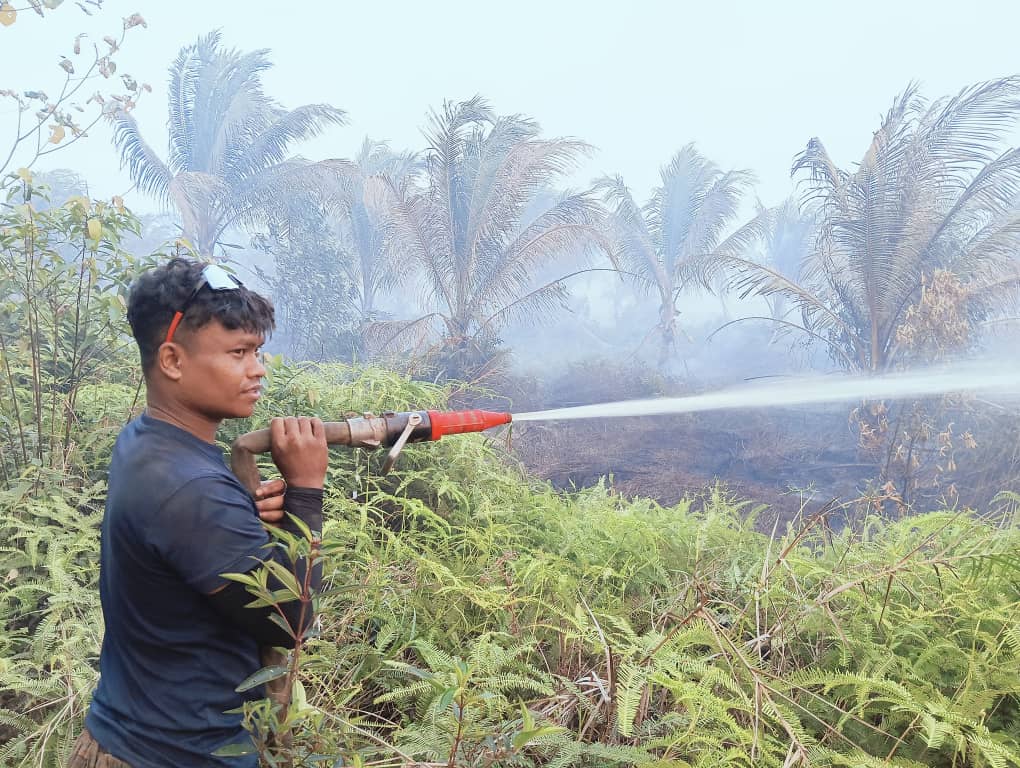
x=63, y=283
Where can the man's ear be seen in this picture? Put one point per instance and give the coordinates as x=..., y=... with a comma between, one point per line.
x=168, y=361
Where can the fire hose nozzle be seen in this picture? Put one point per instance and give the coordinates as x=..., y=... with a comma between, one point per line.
x=391, y=430
x=458, y=422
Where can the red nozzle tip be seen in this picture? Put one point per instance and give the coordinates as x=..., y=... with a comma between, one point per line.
x=458, y=422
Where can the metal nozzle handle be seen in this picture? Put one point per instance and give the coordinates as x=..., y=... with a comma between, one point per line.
x=413, y=420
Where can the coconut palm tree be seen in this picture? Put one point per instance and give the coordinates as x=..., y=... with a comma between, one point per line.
x=474, y=231
x=935, y=193
x=666, y=243
x=228, y=150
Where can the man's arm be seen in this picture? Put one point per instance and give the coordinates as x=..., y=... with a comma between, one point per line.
x=231, y=599
x=300, y=453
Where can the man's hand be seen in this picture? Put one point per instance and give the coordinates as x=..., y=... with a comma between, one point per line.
x=269, y=500
x=299, y=450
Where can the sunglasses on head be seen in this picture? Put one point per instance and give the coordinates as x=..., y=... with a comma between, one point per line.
x=218, y=279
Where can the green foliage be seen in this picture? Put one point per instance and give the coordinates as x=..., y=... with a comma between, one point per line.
x=50, y=620
x=475, y=618
x=69, y=382
x=63, y=282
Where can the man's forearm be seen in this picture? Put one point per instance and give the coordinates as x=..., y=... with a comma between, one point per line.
x=303, y=503
x=306, y=505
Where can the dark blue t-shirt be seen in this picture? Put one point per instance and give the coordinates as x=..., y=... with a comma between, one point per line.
x=176, y=518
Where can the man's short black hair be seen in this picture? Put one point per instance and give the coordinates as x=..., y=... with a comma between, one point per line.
x=159, y=293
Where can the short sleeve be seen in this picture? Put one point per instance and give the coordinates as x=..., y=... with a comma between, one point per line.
x=209, y=527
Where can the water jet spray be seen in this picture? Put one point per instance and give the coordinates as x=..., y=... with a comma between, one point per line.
x=394, y=430
x=806, y=390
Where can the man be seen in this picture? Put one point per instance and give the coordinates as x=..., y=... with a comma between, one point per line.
x=178, y=638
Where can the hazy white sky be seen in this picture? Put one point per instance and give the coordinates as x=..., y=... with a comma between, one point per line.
x=749, y=82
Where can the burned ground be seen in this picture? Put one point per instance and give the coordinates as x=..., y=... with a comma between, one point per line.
x=791, y=461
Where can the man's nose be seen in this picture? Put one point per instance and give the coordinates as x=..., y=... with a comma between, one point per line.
x=257, y=369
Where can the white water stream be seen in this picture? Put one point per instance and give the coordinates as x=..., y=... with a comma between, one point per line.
x=986, y=378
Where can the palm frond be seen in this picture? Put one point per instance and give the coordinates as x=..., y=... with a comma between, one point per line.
x=185, y=71
x=750, y=278
x=203, y=200
x=671, y=211
x=715, y=213
x=446, y=136
x=376, y=157
x=993, y=193
x=230, y=107
x=415, y=227
x=512, y=168
x=400, y=336
x=571, y=224
x=272, y=143
x=533, y=308
x=825, y=178
x=738, y=245
x=145, y=167
x=254, y=198
x=790, y=238
x=961, y=133
x=631, y=242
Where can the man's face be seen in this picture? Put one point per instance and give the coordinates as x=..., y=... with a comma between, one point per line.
x=221, y=371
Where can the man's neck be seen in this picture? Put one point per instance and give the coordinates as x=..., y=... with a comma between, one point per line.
x=200, y=426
